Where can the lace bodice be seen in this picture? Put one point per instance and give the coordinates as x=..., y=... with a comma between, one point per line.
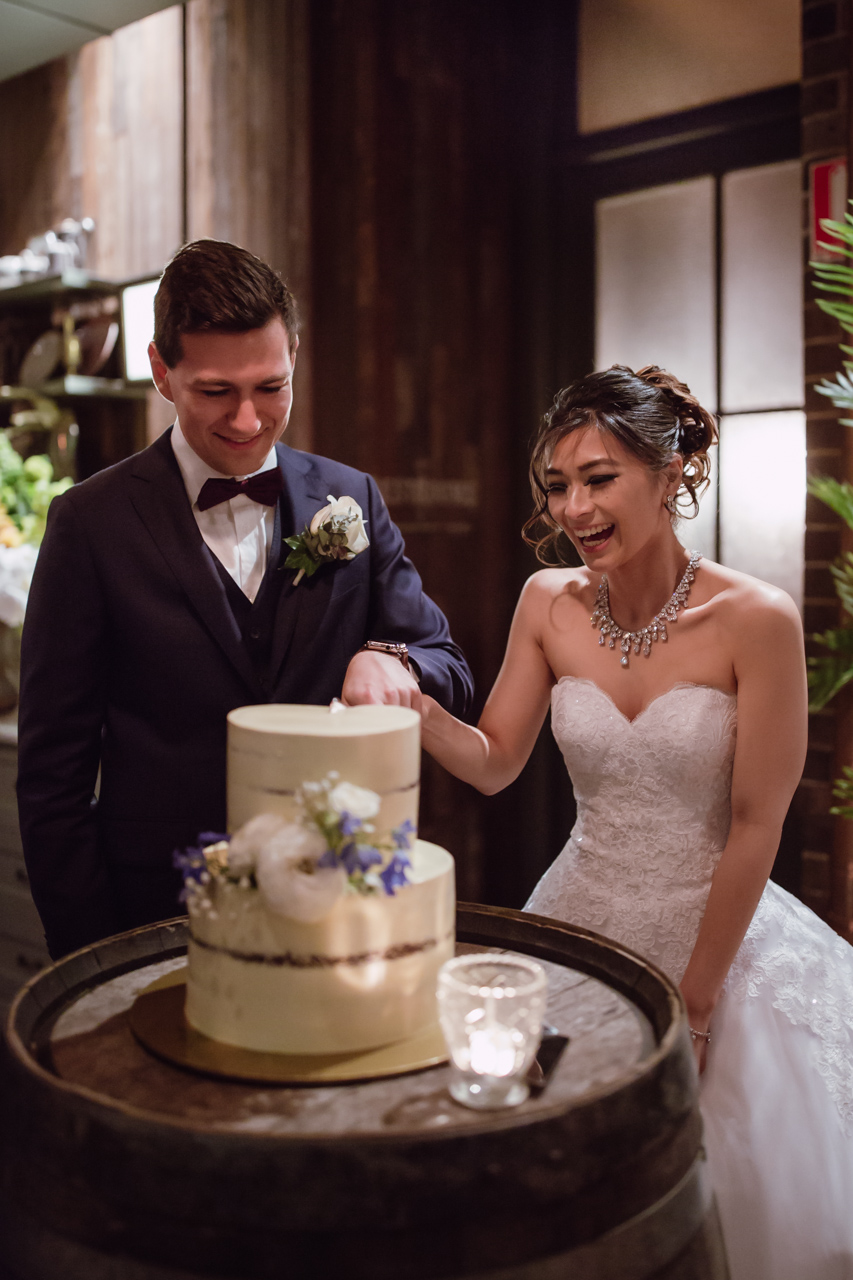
x=653, y=798
x=653, y=815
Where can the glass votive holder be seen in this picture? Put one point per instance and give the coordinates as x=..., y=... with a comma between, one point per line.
x=490, y=1007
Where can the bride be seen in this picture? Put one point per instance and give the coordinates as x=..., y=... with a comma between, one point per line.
x=681, y=714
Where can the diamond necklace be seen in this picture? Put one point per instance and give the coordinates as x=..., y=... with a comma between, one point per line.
x=656, y=630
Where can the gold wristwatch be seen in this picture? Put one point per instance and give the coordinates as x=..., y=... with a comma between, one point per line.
x=395, y=649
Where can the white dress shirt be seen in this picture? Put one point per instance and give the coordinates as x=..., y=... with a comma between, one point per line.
x=239, y=531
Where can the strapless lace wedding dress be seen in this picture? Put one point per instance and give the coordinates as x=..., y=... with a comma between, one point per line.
x=777, y=1094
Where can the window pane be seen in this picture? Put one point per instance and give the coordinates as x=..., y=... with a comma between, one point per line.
x=762, y=352
x=763, y=497
x=655, y=299
x=655, y=282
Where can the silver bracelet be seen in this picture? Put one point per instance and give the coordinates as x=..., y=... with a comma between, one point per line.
x=699, y=1035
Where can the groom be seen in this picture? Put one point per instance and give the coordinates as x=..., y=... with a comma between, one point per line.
x=161, y=600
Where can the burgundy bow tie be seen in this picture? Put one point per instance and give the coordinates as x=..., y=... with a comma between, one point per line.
x=263, y=487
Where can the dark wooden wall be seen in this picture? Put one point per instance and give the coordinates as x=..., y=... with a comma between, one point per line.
x=413, y=353
x=432, y=140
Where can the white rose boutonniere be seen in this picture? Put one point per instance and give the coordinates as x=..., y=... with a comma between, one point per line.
x=336, y=533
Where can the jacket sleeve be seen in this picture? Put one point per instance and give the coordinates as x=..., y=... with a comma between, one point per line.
x=400, y=610
x=64, y=673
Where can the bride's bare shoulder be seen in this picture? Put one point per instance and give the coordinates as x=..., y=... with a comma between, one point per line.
x=546, y=586
x=740, y=599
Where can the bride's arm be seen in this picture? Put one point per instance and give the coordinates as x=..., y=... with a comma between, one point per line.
x=771, y=746
x=491, y=756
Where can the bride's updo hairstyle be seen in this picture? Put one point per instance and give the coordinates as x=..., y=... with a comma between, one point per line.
x=650, y=412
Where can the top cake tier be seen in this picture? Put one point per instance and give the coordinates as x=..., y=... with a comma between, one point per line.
x=274, y=748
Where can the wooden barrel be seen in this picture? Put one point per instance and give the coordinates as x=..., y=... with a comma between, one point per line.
x=118, y=1166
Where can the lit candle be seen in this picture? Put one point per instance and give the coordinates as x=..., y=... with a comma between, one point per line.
x=491, y=1007
x=492, y=1051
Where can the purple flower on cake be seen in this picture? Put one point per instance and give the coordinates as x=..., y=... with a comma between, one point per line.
x=207, y=838
x=355, y=858
x=403, y=835
x=200, y=862
x=349, y=825
x=192, y=866
x=394, y=876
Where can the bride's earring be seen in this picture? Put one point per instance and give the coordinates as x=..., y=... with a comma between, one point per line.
x=669, y=503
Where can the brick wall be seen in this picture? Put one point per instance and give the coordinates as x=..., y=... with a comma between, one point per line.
x=827, y=844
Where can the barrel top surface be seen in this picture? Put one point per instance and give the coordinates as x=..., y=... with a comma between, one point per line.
x=71, y=1022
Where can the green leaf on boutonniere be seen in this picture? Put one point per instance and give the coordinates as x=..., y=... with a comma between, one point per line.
x=303, y=555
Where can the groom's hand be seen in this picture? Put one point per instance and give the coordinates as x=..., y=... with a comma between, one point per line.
x=379, y=678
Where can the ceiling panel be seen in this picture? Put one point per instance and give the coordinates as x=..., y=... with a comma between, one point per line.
x=31, y=35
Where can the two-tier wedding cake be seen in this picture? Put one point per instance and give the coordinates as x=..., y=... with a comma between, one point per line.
x=319, y=927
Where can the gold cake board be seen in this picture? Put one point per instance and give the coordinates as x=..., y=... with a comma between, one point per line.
x=157, y=1020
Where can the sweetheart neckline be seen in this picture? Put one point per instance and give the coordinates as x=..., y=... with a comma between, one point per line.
x=680, y=684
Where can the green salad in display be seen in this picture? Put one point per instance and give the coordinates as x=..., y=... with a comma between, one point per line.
x=27, y=488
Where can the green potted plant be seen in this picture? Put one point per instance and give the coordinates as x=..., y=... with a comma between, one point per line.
x=27, y=488
x=830, y=671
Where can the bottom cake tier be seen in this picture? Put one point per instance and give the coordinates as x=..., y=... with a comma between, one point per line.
x=363, y=976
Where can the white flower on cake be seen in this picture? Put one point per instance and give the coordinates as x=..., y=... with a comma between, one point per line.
x=336, y=532
x=290, y=877
x=247, y=843
x=358, y=801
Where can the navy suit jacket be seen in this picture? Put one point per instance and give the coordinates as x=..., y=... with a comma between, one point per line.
x=132, y=658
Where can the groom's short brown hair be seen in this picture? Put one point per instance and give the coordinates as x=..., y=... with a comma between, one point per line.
x=214, y=285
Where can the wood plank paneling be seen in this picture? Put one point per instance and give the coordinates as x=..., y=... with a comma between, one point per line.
x=412, y=304
x=126, y=144
x=98, y=134
x=248, y=147
x=33, y=153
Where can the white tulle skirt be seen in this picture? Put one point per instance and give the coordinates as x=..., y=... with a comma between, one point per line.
x=777, y=1099
x=777, y=1092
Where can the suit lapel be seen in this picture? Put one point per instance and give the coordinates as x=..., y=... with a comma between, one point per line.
x=304, y=496
x=160, y=499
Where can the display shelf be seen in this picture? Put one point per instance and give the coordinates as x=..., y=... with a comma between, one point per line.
x=111, y=413
x=75, y=386
x=43, y=289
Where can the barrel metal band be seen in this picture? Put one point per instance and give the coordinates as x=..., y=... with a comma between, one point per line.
x=287, y=960
x=637, y=1248
x=633, y=1251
